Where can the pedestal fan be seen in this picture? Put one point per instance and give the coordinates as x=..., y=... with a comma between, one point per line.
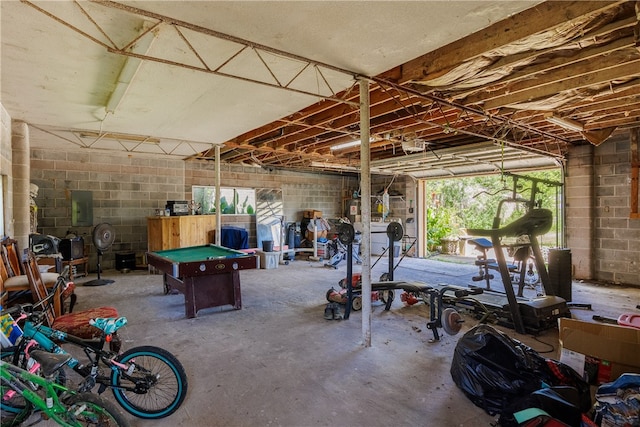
x=103, y=236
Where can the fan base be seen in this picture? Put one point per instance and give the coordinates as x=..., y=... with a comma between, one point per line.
x=98, y=282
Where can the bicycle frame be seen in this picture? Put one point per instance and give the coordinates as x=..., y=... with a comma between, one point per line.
x=32, y=368
x=121, y=372
x=16, y=378
x=45, y=335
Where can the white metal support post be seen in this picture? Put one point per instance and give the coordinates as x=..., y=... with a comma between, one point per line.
x=218, y=213
x=365, y=186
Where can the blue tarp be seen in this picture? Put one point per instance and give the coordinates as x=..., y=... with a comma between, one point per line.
x=234, y=237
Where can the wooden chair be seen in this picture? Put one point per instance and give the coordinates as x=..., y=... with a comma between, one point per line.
x=16, y=282
x=11, y=260
x=3, y=277
x=10, y=256
x=73, y=323
x=4, y=295
x=13, y=287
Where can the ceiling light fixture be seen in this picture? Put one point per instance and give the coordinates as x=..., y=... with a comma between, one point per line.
x=565, y=123
x=119, y=137
x=344, y=145
x=350, y=144
x=414, y=145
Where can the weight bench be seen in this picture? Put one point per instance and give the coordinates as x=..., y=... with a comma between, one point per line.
x=423, y=292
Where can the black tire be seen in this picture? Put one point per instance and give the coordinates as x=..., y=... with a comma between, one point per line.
x=88, y=409
x=386, y=296
x=157, y=386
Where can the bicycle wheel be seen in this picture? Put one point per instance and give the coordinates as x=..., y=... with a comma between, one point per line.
x=88, y=409
x=155, y=388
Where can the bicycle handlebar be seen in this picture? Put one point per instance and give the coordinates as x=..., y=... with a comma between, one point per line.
x=27, y=309
x=13, y=310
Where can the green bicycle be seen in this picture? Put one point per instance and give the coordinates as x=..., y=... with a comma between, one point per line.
x=29, y=393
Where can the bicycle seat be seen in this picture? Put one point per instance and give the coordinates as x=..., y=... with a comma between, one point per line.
x=108, y=324
x=50, y=362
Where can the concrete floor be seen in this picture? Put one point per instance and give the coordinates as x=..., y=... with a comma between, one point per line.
x=278, y=362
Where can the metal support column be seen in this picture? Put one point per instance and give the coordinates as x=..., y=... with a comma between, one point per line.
x=218, y=212
x=365, y=186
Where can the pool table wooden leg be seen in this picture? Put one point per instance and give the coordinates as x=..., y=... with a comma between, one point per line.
x=235, y=281
x=190, y=303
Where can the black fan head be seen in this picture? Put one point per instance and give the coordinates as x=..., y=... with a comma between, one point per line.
x=103, y=236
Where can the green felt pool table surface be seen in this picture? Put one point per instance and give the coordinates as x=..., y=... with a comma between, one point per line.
x=199, y=253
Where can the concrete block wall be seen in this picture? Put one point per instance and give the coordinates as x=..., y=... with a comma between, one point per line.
x=300, y=191
x=126, y=188
x=617, y=237
x=580, y=222
x=604, y=241
x=399, y=206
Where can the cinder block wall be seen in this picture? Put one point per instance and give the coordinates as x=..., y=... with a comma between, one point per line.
x=404, y=188
x=617, y=237
x=300, y=191
x=579, y=197
x=604, y=241
x=127, y=188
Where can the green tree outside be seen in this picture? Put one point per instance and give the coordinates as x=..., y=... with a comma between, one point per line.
x=454, y=205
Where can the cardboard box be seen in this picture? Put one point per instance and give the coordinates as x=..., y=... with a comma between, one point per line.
x=321, y=233
x=312, y=214
x=600, y=352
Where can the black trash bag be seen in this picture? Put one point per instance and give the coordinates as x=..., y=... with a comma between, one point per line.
x=561, y=403
x=494, y=370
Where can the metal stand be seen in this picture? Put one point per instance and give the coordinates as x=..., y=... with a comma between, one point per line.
x=98, y=281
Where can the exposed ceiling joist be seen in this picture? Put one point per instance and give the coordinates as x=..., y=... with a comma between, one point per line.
x=495, y=85
x=504, y=33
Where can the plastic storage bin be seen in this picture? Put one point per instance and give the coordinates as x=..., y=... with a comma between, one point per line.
x=269, y=260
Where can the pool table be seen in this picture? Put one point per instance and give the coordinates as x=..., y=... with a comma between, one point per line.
x=207, y=275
